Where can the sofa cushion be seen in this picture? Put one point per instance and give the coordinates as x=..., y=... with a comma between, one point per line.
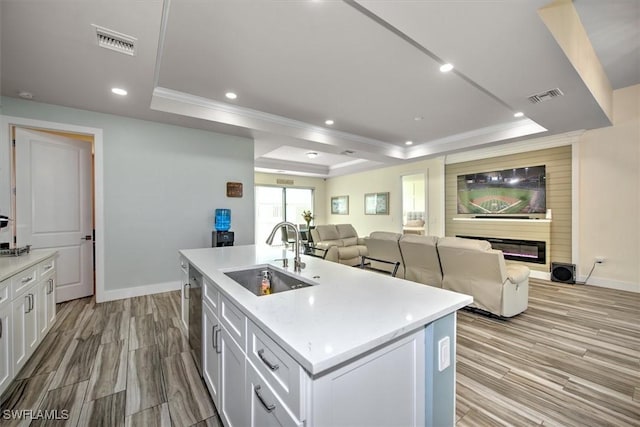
x=327, y=232
x=349, y=241
x=346, y=230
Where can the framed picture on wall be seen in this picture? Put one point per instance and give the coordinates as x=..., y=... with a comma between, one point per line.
x=340, y=205
x=376, y=204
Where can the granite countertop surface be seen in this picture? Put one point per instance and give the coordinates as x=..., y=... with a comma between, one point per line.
x=10, y=265
x=347, y=312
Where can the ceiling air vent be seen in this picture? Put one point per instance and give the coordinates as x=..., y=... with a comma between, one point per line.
x=545, y=96
x=347, y=152
x=114, y=40
x=284, y=181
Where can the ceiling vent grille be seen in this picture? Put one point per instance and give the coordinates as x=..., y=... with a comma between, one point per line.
x=545, y=96
x=114, y=40
x=347, y=152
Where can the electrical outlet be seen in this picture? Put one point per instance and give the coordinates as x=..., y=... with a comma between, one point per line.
x=599, y=260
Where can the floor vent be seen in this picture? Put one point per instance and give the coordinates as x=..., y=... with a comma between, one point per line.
x=545, y=96
x=114, y=40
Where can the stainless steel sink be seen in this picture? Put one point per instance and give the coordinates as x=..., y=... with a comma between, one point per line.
x=251, y=279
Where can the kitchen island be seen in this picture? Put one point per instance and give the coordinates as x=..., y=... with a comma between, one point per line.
x=356, y=348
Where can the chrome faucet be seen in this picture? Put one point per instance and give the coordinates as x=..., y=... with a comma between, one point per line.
x=298, y=265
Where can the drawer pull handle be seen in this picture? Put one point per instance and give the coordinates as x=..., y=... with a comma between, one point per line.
x=27, y=279
x=214, y=343
x=266, y=361
x=30, y=302
x=50, y=290
x=186, y=294
x=0, y=328
x=48, y=267
x=267, y=406
x=183, y=265
x=215, y=340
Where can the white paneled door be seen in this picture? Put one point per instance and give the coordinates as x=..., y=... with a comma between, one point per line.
x=53, y=177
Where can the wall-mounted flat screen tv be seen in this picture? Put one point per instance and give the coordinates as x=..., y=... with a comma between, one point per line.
x=507, y=192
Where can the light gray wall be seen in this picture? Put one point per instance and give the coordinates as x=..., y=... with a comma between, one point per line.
x=162, y=184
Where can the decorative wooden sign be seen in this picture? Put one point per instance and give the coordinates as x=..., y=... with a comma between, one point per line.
x=234, y=189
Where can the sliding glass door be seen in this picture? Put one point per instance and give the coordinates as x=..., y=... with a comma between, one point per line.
x=275, y=204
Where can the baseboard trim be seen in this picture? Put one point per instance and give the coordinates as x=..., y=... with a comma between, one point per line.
x=154, y=288
x=610, y=284
x=542, y=275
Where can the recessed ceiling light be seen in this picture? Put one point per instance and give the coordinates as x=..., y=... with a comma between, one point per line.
x=329, y=122
x=445, y=68
x=409, y=143
x=519, y=114
x=231, y=95
x=418, y=118
x=312, y=154
x=119, y=91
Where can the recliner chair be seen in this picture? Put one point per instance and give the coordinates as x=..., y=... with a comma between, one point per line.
x=383, y=245
x=471, y=267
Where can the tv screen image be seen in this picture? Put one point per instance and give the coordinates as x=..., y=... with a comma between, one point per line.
x=510, y=191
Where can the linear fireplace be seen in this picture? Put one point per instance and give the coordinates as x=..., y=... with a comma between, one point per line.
x=517, y=250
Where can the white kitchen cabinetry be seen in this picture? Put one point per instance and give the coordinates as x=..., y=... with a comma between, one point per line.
x=211, y=350
x=27, y=310
x=5, y=335
x=25, y=326
x=265, y=406
x=184, y=293
x=255, y=382
x=233, y=410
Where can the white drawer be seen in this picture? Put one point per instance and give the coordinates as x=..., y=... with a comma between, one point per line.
x=276, y=366
x=23, y=280
x=46, y=266
x=5, y=286
x=265, y=405
x=211, y=295
x=234, y=321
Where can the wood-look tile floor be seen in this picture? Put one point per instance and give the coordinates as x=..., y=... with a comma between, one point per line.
x=120, y=363
x=572, y=359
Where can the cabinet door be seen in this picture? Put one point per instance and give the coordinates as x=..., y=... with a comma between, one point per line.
x=5, y=347
x=31, y=327
x=19, y=312
x=211, y=353
x=266, y=409
x=233, y=410
x=184, y=294
x=41, y=308
x=51, y=300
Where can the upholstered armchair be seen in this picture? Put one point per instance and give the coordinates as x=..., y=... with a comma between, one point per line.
x=471, y=267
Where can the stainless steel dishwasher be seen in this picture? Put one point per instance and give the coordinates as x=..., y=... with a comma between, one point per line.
x=195, y=316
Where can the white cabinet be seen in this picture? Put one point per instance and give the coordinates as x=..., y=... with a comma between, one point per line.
x=233, y=409
x=25, y=327
x=211, y=350
x=27, y=311
x=184, y=293
x=265, y=406
x=6, y=369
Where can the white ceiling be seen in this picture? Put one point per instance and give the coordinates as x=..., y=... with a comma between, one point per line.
x=371, y=66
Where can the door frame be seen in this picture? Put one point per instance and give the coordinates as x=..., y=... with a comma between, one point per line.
x=98, y=189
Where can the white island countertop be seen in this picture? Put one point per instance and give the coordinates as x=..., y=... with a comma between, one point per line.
x=10, y=265
x=347, y=313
